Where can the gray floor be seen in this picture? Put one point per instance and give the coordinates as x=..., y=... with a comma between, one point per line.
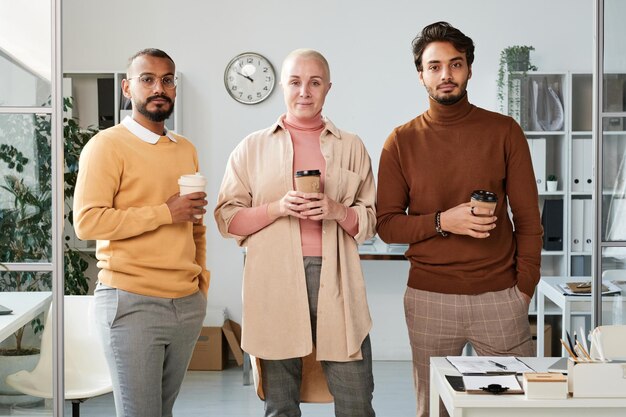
x=222, y=394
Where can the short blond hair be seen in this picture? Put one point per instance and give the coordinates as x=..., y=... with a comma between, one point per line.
x=307, y=54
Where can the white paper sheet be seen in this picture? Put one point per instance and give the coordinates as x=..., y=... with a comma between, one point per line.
x=487, y=364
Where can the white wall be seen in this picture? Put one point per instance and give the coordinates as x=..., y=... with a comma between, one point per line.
x=375, y=85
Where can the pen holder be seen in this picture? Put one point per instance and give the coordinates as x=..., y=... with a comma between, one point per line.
x=596, y=379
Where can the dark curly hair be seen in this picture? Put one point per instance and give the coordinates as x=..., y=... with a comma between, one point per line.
x=157, y=53
x=442, y=32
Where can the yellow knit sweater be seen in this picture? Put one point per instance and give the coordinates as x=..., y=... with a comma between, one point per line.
x=123, y=184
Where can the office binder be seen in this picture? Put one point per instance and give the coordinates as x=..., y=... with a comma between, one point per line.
x=578, y=158
x=587, y=225
x=552, y=222
x=587, y=165
x=576, y=221
x=538, y=157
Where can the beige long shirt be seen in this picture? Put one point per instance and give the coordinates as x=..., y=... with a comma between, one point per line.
x=276, y=322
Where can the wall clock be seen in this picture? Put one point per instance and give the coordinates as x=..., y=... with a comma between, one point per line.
x=249, y=78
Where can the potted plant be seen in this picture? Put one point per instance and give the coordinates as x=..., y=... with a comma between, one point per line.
x=552, y=183
x=513, y=59
x=26, y=215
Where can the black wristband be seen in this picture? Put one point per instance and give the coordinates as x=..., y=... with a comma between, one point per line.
x=438, y=228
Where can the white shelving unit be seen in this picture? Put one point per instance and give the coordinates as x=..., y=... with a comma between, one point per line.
x=554, y=109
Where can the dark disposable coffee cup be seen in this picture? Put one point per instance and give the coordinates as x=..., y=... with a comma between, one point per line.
x=486, y=199
x=308, y=181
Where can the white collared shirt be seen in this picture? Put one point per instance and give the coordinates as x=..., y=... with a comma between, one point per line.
x=145, y=134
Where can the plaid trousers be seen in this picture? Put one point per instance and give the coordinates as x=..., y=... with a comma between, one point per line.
x=495, y=323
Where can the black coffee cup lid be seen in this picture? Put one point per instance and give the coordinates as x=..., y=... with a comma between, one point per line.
x=482, y=195
x=308, y=173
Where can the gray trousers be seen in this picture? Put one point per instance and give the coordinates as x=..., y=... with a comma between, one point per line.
x=148, y=342
x=350, y=383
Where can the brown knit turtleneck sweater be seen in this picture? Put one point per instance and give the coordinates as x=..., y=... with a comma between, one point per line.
x=433, y=163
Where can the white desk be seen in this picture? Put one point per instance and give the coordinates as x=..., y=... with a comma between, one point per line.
x=25, y=305
x=568, y=304
x=461, y=404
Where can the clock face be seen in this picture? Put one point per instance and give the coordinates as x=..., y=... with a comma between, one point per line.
x=249, y=78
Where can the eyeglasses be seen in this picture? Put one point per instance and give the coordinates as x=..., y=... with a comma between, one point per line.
x=149, y=81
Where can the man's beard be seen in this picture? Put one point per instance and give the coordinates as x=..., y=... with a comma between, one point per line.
x=158, y=115
x=448, y=100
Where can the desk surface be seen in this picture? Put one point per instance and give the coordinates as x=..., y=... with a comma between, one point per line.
x=380, y=251
x=461, y=404
x=25, y=305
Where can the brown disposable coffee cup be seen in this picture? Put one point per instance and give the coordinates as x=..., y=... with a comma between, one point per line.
x=486, y=199
x=308, y=181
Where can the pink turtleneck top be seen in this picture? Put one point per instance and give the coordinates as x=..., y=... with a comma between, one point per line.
x=307, y=155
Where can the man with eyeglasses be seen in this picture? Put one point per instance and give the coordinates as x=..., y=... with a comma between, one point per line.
x=150, y=300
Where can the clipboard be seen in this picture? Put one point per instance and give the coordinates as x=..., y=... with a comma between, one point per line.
x=474, y=384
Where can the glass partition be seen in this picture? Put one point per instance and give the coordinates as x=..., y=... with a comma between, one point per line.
x=27, y=196
x=612, y=118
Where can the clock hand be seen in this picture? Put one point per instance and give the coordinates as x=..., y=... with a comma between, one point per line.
x=245, y=76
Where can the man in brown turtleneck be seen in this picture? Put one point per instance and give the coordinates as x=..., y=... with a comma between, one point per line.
x=473, y=270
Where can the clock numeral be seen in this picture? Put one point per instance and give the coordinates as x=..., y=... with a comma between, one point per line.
x=268, y=78
x=249, y=96
x=234, y=88
x=265, y=69
x=231, y=78
x=258, y=95
x=240, y=93
x=265, y=88
x=249, y=60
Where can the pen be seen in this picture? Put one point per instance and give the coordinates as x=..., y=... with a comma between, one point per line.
x=582, y=349
x=499, y=365
x=572, y=354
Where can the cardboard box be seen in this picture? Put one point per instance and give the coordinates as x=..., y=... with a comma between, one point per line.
x=596, y=379
x=547, y=338
x=544, y=385
x=210, y=353
x=213, y=345
x=232, y=332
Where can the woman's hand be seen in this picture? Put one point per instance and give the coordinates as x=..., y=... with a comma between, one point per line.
x=289, y=205
x=314, y=206
x=320, y=207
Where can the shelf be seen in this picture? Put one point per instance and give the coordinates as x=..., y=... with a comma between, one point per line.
x=544, y=133
x=552, y=253
x=548, y=193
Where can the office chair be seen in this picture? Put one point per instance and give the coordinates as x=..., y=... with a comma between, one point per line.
x=86, y=371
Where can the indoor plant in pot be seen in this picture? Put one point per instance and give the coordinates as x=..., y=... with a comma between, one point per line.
x=552, y=183
x=514, y=58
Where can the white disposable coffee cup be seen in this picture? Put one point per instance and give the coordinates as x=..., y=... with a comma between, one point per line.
x=192, y=184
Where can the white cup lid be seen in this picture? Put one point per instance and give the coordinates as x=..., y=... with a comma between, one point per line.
x=192, y=180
